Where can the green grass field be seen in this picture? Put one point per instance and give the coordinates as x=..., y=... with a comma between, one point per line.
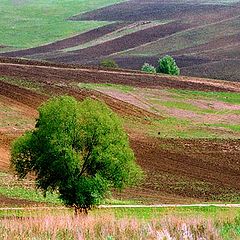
x=13, y=188
x=25, y=24
x=227, y=97
x=106, y=86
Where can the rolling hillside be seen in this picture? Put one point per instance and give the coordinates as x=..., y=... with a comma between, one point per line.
x=184, y=131
x=202, y=35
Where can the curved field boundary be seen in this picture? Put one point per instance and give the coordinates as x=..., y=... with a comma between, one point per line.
x=68, y=42
x=123, y=43
x=25, y=96
x=209, y=162
x=49, y=74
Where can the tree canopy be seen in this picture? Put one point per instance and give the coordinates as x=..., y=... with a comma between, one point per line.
x=168, y=65
x=78, y=149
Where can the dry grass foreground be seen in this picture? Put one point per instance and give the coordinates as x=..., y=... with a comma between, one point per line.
x=106, y=227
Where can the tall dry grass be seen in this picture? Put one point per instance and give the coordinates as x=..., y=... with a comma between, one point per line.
x=106, y=227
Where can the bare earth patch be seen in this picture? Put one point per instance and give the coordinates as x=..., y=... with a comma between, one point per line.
x=217, y=105
x=153, y=99
x=128, y=97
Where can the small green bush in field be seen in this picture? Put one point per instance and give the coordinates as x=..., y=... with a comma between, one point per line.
x=108, y=63
x=148, y=68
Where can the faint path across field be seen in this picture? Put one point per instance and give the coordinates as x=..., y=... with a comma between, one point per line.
x=172, y=205
x=129, y=206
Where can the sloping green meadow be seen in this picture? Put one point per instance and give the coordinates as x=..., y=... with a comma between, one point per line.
x=30, y=23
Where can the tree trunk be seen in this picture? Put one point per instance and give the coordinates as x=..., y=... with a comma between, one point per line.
x=78, y=211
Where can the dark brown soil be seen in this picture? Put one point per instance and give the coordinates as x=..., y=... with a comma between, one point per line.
x=217, y=43
x=33, y=99
x=13, y=202
x=227, y=69
x=189, y=168
x=30, y=98
x=182, y=16
x=136, y=62
x=136, y=10
x=63, y=76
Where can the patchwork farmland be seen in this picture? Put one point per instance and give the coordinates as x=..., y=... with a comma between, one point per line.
x=203, y=36
x=184, y=131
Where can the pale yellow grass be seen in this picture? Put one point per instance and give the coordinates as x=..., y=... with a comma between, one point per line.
x=106, y=227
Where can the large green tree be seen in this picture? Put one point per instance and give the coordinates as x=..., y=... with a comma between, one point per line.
x=78, y=149
x=168, y=65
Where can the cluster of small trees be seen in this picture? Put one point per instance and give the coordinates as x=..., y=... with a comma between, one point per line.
x=165, y=65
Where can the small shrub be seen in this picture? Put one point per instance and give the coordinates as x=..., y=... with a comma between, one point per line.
x=108, y=63
x=148, y=68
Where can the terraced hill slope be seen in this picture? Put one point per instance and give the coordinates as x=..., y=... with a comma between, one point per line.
x=184, y=131
x=202, y=35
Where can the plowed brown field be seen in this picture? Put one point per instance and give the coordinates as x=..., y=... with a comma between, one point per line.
x=177, y=170
x=64, y=75
x=135, y=10
x=126, y=42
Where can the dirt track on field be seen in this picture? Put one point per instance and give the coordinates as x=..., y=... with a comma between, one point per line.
x=177, y=170
x=126, y=206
